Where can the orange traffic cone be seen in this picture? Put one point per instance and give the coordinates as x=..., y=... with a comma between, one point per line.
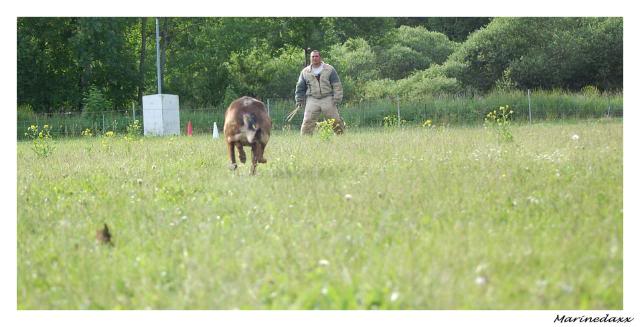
x=189, y=129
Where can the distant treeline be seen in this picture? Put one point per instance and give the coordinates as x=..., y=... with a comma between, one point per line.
x=102, y=64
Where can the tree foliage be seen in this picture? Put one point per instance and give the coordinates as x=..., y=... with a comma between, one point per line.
x=95, y=102
x=251, y=75
x=407, y=49
x=208, y=61
x=456, y=28
x=544, y=53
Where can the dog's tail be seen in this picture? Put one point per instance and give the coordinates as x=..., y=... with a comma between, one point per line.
x=250, y=121
x=253, y=129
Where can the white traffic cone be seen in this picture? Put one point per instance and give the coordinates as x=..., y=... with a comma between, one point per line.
x=215, y=131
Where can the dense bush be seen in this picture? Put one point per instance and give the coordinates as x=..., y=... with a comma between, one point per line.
x=354, y=58
x=408, y=49
x=250, y=74
x=398, y=61
x=379, y=89
x=421, y=84
x=545, y=53
x=96, y=102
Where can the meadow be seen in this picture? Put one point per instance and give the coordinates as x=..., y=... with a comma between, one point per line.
x=386, y=218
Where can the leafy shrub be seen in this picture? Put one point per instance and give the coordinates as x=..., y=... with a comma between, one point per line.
x=325, y=129
x=354, y=58
x=379, y=89
x=500, y=121
x=399, y=61
x=95, y=102
x=42, y=142
x=251, y=75
x=391, y=121
x=547, y=53
x=134, y=130
x=408, y=49
x=418, y=86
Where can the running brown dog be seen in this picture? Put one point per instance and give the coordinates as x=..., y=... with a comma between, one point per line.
x=247, y=123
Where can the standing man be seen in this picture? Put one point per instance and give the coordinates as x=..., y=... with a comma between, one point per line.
x=320, y=83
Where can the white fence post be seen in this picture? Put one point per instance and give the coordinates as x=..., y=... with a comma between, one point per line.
x=529, y=97
x=398, y=103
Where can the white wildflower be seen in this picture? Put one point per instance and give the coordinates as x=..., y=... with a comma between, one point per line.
x=533, y=200
x=481, y=280
x=567, y=288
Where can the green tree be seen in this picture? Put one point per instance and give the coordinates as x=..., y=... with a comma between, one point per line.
x=354, y=58
x=95, y=102
x=274, y=78
x=456, y=28
x=194, y=61
x=408, y=49
x=371, y=29
x=47, y=73
x=105, y=52
x=543, y=53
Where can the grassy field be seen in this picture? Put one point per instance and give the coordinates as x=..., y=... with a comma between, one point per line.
x=416, y=218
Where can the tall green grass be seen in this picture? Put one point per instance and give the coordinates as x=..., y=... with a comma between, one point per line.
x=412, y=218
x=447, y=110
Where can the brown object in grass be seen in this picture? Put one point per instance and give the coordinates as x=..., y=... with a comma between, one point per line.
x=103, y=235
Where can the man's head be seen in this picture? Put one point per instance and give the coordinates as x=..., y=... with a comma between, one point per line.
x=316, y=59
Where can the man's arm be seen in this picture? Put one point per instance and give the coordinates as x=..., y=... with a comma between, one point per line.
x=336, y=85
x=301, y=89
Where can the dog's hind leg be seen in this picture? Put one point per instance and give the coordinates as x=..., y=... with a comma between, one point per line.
x=261, y=158
x=241, y=153
x=255, y=153
x=232, y=156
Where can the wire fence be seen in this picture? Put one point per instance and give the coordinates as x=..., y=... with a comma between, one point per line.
x=444, y=110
